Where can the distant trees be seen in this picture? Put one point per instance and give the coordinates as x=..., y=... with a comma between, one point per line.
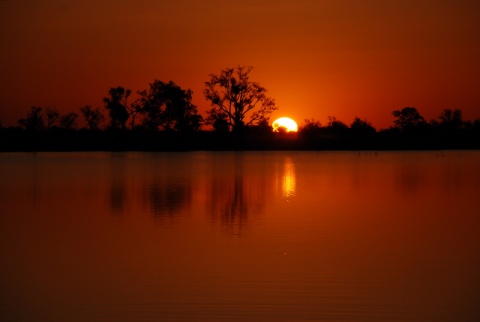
x=408, y=119
x=362, y=127
x=34, y=120
x=451, y=120
x=167, y=106
x=218, y=120
x=117, y=106
x=93, y=117
x=336, y=127
x=39, y=119
x=310, y=127
x=164, y=106
x=68, y=121
x=233, y=96
x=52, y=116
x=241, y=106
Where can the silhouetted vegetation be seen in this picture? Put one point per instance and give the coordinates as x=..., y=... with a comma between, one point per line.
x=94, y=118
x=233, y=97
x=117, y=106
x=52, y=116
x=34, y=120
x=362, y=127
x=163, y=118
x=165, y=106
x=68, y=121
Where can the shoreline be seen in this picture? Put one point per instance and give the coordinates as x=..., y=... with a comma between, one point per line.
x=14, y=140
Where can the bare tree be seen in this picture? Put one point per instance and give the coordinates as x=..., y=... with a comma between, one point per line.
x=232, y=93
x=68, y=121
x=34, y=120
x=93, y=117
x=451, y=120
x=52, y=116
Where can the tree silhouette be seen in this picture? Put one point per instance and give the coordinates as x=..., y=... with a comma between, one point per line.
x=451, y=120
x=408, y=119
x=68, y=121
x=169, y=107
x=362, y=127
x=336, y=127
x=93, y=117
x=233, y=94
x=52, y=116
x=218, y=119
x=310, y=127
x=116, y=104
x=476, y=125
x=34, y=120
x=262, y=127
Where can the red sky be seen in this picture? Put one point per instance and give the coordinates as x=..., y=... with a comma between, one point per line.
x=317, y=58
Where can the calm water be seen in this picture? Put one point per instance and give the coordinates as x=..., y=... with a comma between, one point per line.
x=255, y=236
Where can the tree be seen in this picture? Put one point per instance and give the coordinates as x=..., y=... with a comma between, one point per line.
x=167, y=106
x=68, y=121
x=336, y=127
x=34, y=120
x=362, y=127
x=282, y=129
x=133, y=110
x=476, y=126
x=233, y=94
x=116, y=104
x=218, y=119
x=451, y=120
x=52, y=116
x=93, y=117
x=262, y=128
x=310, y=127
x=408, y=119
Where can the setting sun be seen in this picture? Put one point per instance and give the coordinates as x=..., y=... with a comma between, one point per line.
x=286, y=123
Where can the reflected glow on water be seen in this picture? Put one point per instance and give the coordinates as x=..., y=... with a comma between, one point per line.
x=288, y=178
x=260, y=236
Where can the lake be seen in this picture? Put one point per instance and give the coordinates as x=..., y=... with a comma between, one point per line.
x=240, y=236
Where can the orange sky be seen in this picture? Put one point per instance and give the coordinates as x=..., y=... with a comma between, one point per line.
x=343, y=58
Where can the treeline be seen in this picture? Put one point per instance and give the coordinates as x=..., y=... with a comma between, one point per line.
x=409, y=131
x=164, y=118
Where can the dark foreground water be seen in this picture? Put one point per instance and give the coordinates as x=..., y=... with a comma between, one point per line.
x=246, y=236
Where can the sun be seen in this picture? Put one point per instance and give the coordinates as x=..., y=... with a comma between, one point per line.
x=285, y=123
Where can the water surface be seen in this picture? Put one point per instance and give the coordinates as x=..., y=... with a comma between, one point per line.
x=240, y=236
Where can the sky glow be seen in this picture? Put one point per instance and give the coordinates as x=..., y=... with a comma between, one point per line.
x=316, y=58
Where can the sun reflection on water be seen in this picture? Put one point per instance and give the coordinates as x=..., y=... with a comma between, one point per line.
x=288, y=179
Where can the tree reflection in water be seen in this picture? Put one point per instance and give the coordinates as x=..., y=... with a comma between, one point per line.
x=236, y=190
x=117, y=185
x=164, y=186
x=236, y=208
x=168, y=198
x=233, y=185
x=168, y=186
